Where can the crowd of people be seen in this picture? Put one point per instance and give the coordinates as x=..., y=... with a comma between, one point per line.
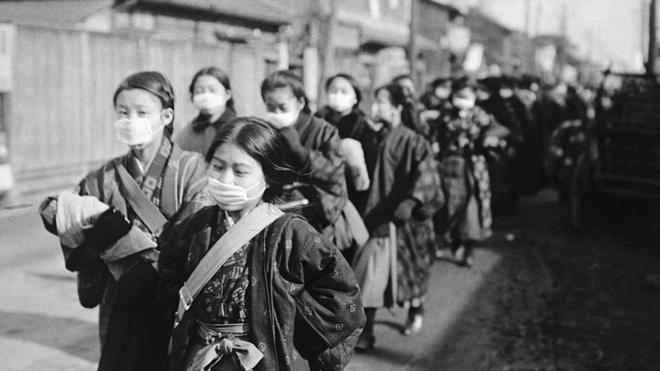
x=270, y=242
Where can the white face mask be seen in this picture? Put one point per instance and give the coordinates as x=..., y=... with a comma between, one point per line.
x=506, y=93
x=463, y=103
x=208, y=102
x=341, y=102
x=282, y=120
x=442, y=92
x=135, y=131
x=231, y=197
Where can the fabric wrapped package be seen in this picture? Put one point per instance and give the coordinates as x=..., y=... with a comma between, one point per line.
x=74, y=214
x=351, y=150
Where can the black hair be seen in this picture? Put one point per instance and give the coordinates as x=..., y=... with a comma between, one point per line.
x=440, y=81
x=265, y=144
x=491, y=83
x=218, y=74
x=155, y=83
x=351, y=80
x=398, y=98
x=528, y=82
x=460, y=84
x=507, y=81
x=401, y=77
x=283, y=79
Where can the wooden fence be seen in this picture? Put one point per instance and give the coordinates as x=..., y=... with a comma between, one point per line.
x=60, y=124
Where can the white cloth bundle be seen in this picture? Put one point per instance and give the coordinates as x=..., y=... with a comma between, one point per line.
x=351, y=150
x=75, y=214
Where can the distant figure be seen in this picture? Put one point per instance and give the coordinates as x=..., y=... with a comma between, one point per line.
x=467, y=137
x=394, y=265
x=320, y=191
x=343, y=112
x=210, y=91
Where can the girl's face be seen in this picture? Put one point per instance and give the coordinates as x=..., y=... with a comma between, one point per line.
x=384, y=111
x=283, y=107
x=408, y=86
x=134, y=104
x=282, y=100
x=341, y=95
x=209, y=95
x=231, y=165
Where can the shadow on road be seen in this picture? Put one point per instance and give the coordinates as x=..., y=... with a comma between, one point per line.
x=52, y=332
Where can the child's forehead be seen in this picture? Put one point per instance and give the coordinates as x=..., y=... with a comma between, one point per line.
x=281, y=93
x=137, y=97
x=231, y=153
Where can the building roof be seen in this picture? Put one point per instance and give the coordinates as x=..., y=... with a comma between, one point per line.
x=452, y=10
x=265, y=13
x=477, y=17
x=50, y=12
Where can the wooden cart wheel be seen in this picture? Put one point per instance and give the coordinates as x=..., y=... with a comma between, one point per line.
x=580, y=196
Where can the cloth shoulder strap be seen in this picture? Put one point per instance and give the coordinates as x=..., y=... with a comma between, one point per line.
x=148, y=213
x=238, y=235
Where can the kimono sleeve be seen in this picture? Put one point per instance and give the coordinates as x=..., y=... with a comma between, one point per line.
x=92, y=273
x=193, y=177
x=425, y=186
x=327, y=176
x=329, y=309
x=172, y=262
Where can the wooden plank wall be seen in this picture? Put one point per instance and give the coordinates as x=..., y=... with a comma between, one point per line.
x=61, y=105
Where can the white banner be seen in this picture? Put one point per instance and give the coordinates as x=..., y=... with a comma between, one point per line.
x=473, y=58
x=545, y=57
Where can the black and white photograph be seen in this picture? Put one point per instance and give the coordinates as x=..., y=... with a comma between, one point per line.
x=328, y=185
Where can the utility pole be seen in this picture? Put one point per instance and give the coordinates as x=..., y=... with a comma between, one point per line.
x=329, y=14
x=563, y=31
x=653, y=48
x=412, y=39
x=528, y=18
x=529, y=48
x=539, y=16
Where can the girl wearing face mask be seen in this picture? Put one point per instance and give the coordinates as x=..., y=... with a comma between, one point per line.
x=108, y=228
x=314, y=146
x=343, y=112
x=342, y=109
x=285, y=293
x=404, y=193
x=210, y=92
x=468, y=134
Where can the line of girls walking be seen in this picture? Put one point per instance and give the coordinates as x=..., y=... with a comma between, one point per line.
x=227, y=245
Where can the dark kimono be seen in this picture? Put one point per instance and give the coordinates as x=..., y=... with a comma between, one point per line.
x=292, y=286
x=132, y=326
x=323, y=182
x=465, y=177
x=402, y=168
x=198, y=135
x=348, y=126
x=354, y=126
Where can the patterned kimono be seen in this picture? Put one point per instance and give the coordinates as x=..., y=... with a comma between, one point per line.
x=402, y=168
x=325, y=185
x=131, y=323
x=465, y=178
x=292, y=286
